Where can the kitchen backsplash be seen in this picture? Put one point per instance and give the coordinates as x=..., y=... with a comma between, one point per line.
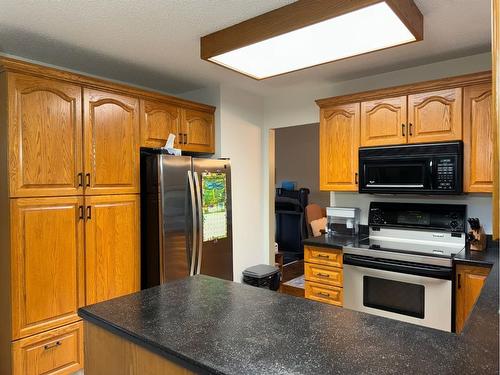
x=478, y=205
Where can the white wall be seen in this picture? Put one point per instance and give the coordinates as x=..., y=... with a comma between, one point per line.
x=239, y=119
x=296, y=106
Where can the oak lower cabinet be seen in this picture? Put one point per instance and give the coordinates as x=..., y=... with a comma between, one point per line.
x=112, y=244
x=478, y=139
x=47, y=263
x=58, y=351
x=468, y=284
x=338, y=147
x=383, y=122
x=158, y=120
x=45, y=136
x=435, y=116
x=323, y=275
x=111, y=140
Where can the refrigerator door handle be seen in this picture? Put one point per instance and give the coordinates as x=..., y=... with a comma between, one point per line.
x=200, y=221
x=194, y=223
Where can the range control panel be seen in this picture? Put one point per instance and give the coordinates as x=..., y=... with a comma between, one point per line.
x=445, y=217
x=446, y=170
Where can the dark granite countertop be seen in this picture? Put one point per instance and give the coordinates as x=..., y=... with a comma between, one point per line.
x=221, y=327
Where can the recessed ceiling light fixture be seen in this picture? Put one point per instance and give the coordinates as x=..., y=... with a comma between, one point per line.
x=312, y=32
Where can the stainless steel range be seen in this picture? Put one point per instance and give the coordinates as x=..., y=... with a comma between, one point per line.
x=404, y=269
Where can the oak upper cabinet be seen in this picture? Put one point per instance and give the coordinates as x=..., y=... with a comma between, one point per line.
x=338, y=149
x=45, y=137
x=383, y=122
x=111, y=134
x=478, y=139
x=435, y=116
x=112, y=246
x=158, y=120
x=468, y=285
x=197, y=131
x=47, y=263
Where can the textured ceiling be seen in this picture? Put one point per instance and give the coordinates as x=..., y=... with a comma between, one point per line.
x=155, y=43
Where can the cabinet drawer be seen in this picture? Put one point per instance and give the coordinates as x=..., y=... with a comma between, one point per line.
x=320, y=255
x=323, y=274
x=324, y=293
x=58, y=351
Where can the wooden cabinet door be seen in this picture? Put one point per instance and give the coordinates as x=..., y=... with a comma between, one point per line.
x=111, y=143
x=383, y=122
x=158, y=120
x=47, y=263
x=45, y=137
x=435, y=116
x=198, y=131
x=338, y=148
x=468, y=285
x=478, y=139
x=112, y=246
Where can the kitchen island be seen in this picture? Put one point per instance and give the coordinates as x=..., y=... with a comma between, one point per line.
x=206, y=325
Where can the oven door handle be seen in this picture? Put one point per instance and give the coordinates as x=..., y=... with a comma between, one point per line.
x=408, y=268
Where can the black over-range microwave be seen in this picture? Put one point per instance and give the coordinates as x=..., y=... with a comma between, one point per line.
x=431, y=168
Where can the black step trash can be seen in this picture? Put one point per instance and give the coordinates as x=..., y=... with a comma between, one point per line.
x=262, y=276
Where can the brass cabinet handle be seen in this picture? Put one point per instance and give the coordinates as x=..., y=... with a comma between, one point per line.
x=320, y=274
x=52, y=345
x=323, y=256
x=185, y=138
x=80, y=213
x=458, y=282
x=403, y=129
x=411, y=125
x=89, y=212
x=80, y=179
x=87, y=176
x=356, y=178
x=323, y=294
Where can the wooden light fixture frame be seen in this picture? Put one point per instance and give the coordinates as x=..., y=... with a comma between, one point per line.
x=297, y=15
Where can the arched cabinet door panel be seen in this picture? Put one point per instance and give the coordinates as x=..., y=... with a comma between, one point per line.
x=339, y=143
x=111, y=143
x=198, y=130
x=435, y=116
x=383, y=122
x=158, y=120
x=45, y=137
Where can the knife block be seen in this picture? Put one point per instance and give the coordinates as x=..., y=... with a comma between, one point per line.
x=479, y=241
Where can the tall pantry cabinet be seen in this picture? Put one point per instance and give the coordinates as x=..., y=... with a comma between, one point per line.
x=69, y=202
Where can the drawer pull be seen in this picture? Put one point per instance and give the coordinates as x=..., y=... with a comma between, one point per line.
x=52, y=345
x=323, y=256
x=323, y=294
x=319, y=274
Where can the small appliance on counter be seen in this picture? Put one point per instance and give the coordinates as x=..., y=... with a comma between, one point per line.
x=342, y=221
x=476, y=236
x=404, y=270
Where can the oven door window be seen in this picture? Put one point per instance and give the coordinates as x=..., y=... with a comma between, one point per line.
x=411, y=174
x=394, y=296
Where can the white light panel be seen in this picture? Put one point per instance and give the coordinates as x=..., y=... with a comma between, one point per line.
x=368, y=29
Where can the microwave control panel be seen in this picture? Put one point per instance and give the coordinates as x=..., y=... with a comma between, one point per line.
x=445, y=173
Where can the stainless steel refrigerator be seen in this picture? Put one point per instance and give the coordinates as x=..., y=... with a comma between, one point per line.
x=185, y=217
